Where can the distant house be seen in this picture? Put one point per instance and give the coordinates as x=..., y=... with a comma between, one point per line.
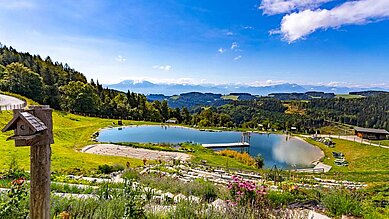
x=173, y=121
x=371, y=134
x=293, y=129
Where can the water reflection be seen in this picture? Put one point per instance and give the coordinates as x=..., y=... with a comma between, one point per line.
x=295, y=152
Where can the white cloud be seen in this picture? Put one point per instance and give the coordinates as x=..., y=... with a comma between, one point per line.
x=17, y=4
x=157, y=80
x=237, y=58
x=234, y=45
x=229, y=33
x=300, y=24
x=352, y=85
x=268, y=82
x=271, y=7
x=221, y=50
x=120, y=59
x=248, y=27
x=163, y=67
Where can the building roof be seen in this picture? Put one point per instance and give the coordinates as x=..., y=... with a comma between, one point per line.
x=33, y=122
x=367, y=130
x=171, y=120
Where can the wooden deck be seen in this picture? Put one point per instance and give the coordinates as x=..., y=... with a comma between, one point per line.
x=227, y=145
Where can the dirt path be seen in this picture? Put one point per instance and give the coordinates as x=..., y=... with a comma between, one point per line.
x=138, y=153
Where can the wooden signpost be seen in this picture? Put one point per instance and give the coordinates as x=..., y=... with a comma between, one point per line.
x=34, y=127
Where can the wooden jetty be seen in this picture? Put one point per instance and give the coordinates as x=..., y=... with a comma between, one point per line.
x=227, y=145
x=244, y=142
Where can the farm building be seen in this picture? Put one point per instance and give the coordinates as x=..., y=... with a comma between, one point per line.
x=174, y=121
x=371, y=134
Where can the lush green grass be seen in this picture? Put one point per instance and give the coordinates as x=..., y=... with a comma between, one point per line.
x=384, y=142
x=366, y=163
x=230, y=97
x=175, y=97
x=337, y=129
x=214, y=159
x=349, y=96
x=71, y=132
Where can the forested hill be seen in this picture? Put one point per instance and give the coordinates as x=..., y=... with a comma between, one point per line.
x=34, y=77
x=63, y=88
x=371, y=112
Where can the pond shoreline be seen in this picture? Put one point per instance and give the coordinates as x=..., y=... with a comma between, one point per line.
x=277, y=148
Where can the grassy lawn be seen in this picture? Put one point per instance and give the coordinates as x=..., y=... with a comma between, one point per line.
x=230, y=97
x=384, y=142
x=219, y=160
x=366, y=163
x=71, y=132
x=348, y=96
x=336, y=130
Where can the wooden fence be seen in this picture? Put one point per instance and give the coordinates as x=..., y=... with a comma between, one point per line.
x=12, y=107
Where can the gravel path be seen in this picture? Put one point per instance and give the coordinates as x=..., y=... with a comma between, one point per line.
x=139, y=153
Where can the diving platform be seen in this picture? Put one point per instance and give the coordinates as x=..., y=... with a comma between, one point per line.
x=227, y=145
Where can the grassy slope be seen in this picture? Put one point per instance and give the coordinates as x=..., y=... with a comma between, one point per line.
x=230, y=97
x=70, y=132
x=366, y=163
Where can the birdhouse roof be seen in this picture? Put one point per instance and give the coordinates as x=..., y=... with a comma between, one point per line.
x=33, y=122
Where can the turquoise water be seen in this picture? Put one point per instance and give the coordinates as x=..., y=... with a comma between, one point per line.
x=276, y=149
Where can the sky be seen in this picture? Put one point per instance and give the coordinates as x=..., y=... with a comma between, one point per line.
x=253, y=42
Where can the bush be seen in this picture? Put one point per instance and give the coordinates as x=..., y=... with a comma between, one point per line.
x=131, y=174
x=259, y=161
x=14, y=171
x=107, y=169
x=244, y=158
x=206, y=189
x=342, y=202
x=111, y=203
x=15, y=204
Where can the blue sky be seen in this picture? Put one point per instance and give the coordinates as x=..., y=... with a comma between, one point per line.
x=200, y=41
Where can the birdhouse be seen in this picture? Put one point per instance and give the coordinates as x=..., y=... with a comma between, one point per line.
x=29, y=129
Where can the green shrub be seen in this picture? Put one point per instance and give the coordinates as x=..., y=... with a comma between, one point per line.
x=107, y=169
x=16, y=202
x=342, y=202
x=131, y=174
x=206, y=189
x=88, y=208
x=14, y=171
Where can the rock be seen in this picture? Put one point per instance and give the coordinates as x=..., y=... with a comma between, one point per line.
x=179, y=198
x=194, y=199
x=167, y=197
x=219, y=204
x=144, y=171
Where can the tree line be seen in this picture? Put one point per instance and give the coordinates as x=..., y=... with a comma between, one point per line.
x=63, y=88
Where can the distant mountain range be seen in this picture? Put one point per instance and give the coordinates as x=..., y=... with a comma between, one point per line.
x=147, y=87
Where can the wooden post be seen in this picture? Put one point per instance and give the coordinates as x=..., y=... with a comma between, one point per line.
x=40, y=155
x=34, y=127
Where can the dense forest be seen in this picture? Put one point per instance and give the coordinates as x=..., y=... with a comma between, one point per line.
x=371, y=111
x=63, y=88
